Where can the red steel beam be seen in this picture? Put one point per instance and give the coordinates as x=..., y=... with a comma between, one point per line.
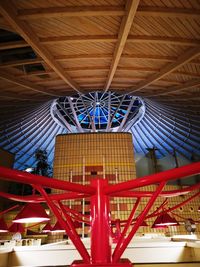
x=36, y=198
x=28, y=178
x=100, y=225
x=169, y=175
x=9, y=209
x=174, y=207
x=66, y=226
x=129, y=221
x=121, y=246
x=169, y=193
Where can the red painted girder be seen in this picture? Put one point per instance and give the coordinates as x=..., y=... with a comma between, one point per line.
x=28, y=178
x=121, y=246
x=173, y=174
x=169, y=193
x=67, y=226
x=37, y=198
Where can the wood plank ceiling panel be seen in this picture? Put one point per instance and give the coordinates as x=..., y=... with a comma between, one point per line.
x=75, y=26
x=131, y=8
x=10, y=14
x=24, y=4
x=83, y=49
x=166, y=27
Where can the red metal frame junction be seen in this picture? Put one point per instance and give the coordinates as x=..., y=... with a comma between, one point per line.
x=99, y=192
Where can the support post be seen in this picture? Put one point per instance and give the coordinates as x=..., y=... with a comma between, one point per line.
x=100, y=224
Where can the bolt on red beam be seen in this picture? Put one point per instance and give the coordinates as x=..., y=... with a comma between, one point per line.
x=173, y=174
x=28, y=178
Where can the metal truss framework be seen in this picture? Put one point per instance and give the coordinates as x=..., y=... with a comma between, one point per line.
x=97, y=111
x=99, y=192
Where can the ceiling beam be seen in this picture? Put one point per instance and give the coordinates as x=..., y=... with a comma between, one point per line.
x=65, y=58
x=12, y=45
x=10, y=14
x=21, y=62
x=128, y=69
x=79, y=39
x=24, y=83
x=167, y=12
x=78, y=11
x=163, y=40
x=104, y=38
x=131, y=8
x=4, y=25
x=126, y=115
x=192, y=98
x=77, y=123
x=14, y=96
x=81, y=11
x=181, y=60
x=109, y=112
x=113, y=38
x=178, y=88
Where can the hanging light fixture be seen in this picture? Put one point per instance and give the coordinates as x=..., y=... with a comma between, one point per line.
x=58, y=228
x=47, y=228
x=32, y=213
x=16, y=227
x=3, y=226
x=165, y=220
x=159, y=226
x=144, y=224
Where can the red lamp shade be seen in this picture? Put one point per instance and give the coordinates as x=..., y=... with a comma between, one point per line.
x=32, y=213
x=165, y=220
x=144, y=224
x=47, y=228
x=58, y=228
x=16, y=227
x=3, y=226
x=77, y=224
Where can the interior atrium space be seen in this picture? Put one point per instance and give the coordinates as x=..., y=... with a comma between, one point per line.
x=100, y=133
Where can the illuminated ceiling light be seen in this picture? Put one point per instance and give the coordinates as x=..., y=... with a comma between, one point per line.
x=29, y=169
x=58, y=228
x=3, y=226
x=199, y=209
x=16, y=227
x=47, y=228
x=165, y=220
x=159, y=226
x=32, y=213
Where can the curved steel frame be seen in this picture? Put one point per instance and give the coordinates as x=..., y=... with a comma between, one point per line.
x=100, y=191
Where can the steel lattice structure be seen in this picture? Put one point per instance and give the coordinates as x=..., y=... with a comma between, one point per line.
x=99, y=192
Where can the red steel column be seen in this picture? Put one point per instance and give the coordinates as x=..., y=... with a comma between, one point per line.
x=100, y=224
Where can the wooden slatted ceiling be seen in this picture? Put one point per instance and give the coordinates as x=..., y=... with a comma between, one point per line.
x=23, y=4
x=9, y=14
x=84, y=43
x=72, y=26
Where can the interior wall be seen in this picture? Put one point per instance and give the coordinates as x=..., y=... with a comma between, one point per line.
x=144, y=166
